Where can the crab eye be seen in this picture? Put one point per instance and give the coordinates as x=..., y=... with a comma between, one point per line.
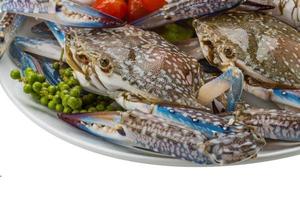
x=83, y=58
x=104, y=62
x=229, y=53
x=105, y=65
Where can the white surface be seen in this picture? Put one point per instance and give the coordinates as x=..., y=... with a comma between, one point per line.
x=36, y=165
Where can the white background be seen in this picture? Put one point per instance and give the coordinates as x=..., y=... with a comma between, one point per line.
x=36, y=165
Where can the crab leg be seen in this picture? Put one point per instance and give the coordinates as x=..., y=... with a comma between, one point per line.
x=9, y=24
x=176, y=10
x=284, y=98
x=273, y=124
x=159, y=135
x=62, y=12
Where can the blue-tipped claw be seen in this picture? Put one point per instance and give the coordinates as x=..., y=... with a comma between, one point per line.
x=185, y=9
x=21, y=59
x=289, y=98
x=57, y=32
x=100, y=124
x=209, y=124
x=236, y=79
x=62, y=12
x=39, y=46
x=230, y=82
x=42, y=65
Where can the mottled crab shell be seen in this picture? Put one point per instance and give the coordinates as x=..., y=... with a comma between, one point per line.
x=265, y=48
x=138, y=61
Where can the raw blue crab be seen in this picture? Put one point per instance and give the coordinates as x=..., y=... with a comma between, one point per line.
x=268, y=53
x=171, y=124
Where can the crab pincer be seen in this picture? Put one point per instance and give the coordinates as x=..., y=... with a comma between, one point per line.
x=9, y=25
x=138, y=129
x=176, y=10
x=63, y=12
x=40, y=64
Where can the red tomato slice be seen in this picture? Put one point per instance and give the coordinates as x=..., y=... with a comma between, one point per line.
x=116, y=8
x=136, y=10
x=153, y=5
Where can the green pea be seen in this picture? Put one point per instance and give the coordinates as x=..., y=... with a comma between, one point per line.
x=44, y=101
x=52, y=105
x=63, y=86
x=65, y=100
x=74, y=103
x=92, y=109
x=67, y=110
x=72, y=82
x=37, y=86
x=59, y=108
x=52, y=89
x=41, y=78
x=110, y=108
x=45, y=85
x=15, y=74
x=68, y=72
x=32, y=78
x=100, y=107
x=56, y=99
x=50, y=96
x=28, y=71
x=75, y=92
x=27, y=88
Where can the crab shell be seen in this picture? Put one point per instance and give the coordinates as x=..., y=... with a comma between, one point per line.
x=134, y=60
x=263, y=47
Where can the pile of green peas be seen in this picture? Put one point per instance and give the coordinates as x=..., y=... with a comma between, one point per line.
x=66, y=97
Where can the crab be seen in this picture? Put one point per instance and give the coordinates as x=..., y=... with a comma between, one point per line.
x=267, y=53
x=119, y=63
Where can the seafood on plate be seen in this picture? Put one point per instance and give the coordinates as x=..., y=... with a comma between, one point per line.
x=170, y=105
x=158, y=118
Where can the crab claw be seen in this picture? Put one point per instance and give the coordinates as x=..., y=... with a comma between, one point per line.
x=40, y=64
x=9, y=25
x=289, y=99
x=231, y=82
x=150, y=132
x=179, y=10
x=62, y=12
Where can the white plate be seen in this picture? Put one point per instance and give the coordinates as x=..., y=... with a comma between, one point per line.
x=48, y=120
